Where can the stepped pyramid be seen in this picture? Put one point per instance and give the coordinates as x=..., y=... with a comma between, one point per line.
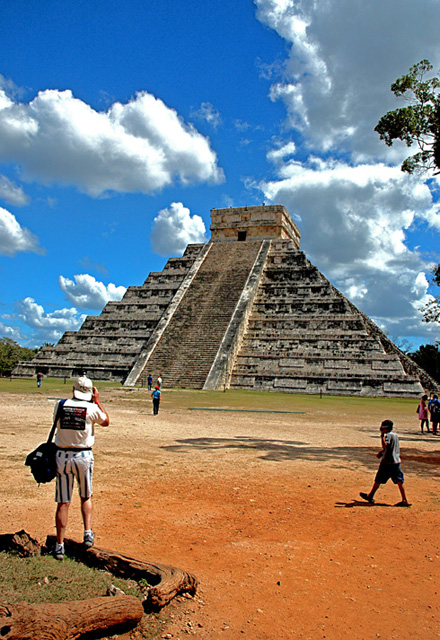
x=247, y=310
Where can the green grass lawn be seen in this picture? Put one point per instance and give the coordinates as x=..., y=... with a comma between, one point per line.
x=55, y=386
x=44, y=579
x=191, y=399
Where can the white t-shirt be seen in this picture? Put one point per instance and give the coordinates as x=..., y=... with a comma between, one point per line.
x=75, y=426
x=392, y=452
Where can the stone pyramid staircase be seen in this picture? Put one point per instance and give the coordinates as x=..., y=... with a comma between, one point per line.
x=187, y=348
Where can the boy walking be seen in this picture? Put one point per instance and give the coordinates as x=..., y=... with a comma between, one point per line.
x=389, y=465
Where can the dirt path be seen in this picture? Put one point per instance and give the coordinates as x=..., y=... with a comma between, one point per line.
x=262, y=508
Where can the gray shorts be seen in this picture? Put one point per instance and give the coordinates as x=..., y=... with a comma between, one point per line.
x=71, y=465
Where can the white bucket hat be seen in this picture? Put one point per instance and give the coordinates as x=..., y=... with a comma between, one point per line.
x=83, y=388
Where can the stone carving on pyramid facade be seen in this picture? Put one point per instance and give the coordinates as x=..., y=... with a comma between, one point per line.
x=246, y=310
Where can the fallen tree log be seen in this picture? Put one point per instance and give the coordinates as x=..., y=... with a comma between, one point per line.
x=165, y=582
x=71, y=620
x=21, y=543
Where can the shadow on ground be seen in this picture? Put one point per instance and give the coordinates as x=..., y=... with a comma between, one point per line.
x=362, y=503
x=420, y=462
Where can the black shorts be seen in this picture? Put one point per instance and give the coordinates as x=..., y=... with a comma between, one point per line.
x=387, y=471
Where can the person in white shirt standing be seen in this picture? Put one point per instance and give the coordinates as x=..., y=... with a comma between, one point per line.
x=75, y=436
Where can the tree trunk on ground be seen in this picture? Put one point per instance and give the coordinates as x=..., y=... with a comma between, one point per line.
x=25, y=621
x=20, y=542
x=165, y=581
x=70, y=620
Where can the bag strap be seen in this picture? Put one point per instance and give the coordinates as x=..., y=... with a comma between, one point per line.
x=57, y=415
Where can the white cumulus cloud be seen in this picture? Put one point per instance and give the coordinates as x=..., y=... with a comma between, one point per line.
x=344, y=55
x=350, y=215
x=88, y=293
x=281, y=152
x=141, y=146
x=15, y=238
x=47, y=327
x=174, y=228
x=208, y=113
x=354, y=223
x=11, y=193
x=12, y=332
x=357, y=210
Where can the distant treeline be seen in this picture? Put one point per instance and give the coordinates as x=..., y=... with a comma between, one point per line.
x=427, y=356
x=11, y=353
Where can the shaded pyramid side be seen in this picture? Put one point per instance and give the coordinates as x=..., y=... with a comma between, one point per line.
x=107, y=345
x=304, y=336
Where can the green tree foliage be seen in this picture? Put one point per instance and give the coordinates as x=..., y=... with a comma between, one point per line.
x=431, y=310
x=427, y=356
x=11, y=353
x=419, y=122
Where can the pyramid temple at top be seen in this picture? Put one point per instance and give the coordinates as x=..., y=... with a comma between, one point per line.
x=246, y=310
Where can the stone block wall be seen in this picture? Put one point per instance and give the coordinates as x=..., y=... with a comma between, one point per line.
x=253, y=223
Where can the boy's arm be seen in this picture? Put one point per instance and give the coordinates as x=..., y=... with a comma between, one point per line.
x=380, y=453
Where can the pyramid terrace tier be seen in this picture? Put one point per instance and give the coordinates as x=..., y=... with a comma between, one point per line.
x=107, y=345
x=335, y=385
x=303, y=335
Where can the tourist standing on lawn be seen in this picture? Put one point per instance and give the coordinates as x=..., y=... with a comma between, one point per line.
x=156, y=400
x=422, y=411
x=389, y=465
x=434, y=410
x=74, y=438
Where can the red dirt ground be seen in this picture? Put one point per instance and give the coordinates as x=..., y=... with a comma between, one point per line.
x=263, y=508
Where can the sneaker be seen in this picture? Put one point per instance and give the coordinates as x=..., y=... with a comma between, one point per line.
x=89, y=539
x=58, y=552
x=366, y=497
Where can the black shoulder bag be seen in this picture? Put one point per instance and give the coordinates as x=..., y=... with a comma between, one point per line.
x=42, y=460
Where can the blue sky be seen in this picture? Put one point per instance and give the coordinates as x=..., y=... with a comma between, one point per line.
x=123, y=124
